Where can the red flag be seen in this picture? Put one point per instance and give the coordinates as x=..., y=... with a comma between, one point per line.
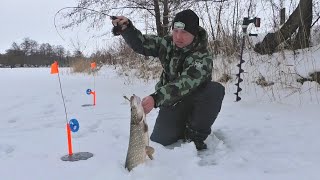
x=54, y=68
x=93, y=65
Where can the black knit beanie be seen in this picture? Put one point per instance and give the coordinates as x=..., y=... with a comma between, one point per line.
x=187, y=20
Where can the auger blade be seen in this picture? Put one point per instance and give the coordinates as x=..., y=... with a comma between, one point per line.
x=240, y=80
x=242, y=61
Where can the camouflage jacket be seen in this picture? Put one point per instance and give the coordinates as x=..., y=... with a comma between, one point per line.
x=184, y=69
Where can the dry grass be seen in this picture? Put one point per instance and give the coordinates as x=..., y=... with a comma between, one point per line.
x=80, y=65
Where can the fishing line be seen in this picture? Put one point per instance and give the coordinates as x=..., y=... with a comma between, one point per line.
x=99, y=12
x=64, y=104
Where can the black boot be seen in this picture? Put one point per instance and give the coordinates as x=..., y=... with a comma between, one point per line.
x=196, y=137
x=200, y=145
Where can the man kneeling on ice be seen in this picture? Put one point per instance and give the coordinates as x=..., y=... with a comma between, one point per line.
x=188, y=99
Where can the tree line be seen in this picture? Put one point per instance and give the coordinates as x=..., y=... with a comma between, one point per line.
x=224, y=33
x=32, y=54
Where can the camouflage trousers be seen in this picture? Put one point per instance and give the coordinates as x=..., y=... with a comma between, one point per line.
x=197, y=111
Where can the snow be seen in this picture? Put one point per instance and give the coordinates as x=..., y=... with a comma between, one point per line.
x=259, y=137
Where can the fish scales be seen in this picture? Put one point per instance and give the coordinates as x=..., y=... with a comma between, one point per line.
x=138, y=147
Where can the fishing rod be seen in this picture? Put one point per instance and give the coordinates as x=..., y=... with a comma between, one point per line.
x=84, y=8
x=245, y=24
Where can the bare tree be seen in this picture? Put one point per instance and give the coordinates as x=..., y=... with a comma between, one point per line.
x=29, y=46
x=59, y=51
x=96, y=12
x=46, y=49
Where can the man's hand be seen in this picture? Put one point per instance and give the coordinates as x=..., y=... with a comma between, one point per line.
x=148, y=104
x=120, y=21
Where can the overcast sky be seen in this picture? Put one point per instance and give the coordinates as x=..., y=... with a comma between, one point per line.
x=34, y=19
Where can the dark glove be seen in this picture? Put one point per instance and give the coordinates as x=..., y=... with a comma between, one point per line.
x=118, y=29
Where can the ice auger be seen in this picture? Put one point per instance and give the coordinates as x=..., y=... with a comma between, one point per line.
x=245, y=24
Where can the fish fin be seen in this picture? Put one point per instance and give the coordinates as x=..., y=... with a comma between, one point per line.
x=145, y=127
x=125, y=97
x=150, y=151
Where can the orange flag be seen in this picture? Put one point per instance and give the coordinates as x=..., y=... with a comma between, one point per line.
x=93, y=65
x=54, y=68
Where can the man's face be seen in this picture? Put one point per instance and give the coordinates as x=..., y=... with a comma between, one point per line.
x=182, y=38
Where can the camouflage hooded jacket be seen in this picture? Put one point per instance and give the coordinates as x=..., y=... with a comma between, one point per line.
x=184, y=69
